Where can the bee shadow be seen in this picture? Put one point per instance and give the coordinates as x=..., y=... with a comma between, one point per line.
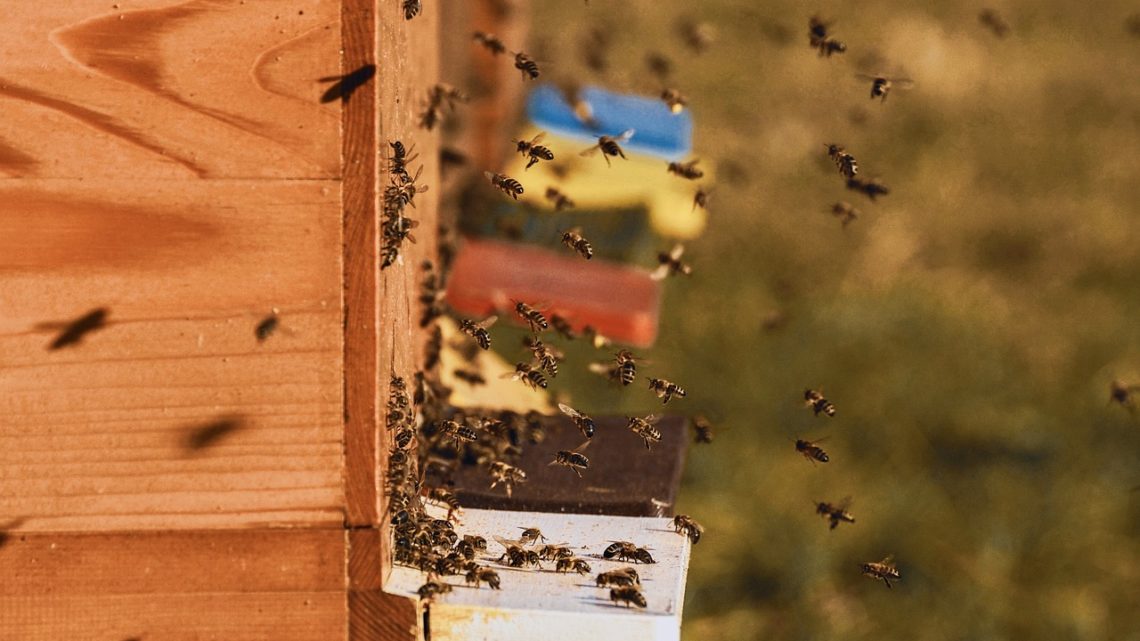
x=72, y=332
x=201, y=437
x=347, y=84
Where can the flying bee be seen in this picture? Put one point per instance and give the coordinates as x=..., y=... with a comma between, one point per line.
x=623, y=369
x=573, y=239
x=687, y=526
x=843, y=160
x=686, y=170
x=882, y=85
x=644, y=427
x=532, y=316
x=506, y=474
x=993, y=21
x=584, y=423
x=1121, y=393
x=811, y=451
x=675, y=100
x=669, y=264
x=698, y=36
x=456, y=431
x=821, y=39
x=702, y=430
x=412, y=8
x=533, y=151
x=441, y=496
x=547, y=357
x=561, y=201
x=506, y=184
x=479, y=575
x=884, y=570
x=871, y=188
x=472, y=378
x=573, y=459
x=820, y=405
x=528, y=374
x=665, y=390
x=845, y=212
x=572, y=564
x=490, y=42
x=835, y=513
x=626, y=576
x=701, y=199
x=597, y=340
x=530, y=535
x=478, y=331
x=563, y=327
x=610, y=146
x=526, y=65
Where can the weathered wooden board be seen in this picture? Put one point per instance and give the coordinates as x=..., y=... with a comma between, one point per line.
x=114, y=432
x=237, y=584
x=199, y=88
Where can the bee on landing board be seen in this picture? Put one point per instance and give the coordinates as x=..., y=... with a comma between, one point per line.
x=483, y=575
x=811, y=451
x=882, y=85
x=835, y=513
x=686, y=525
x=573, y=459
x=478, y=331
x=490, y=42
x=665, y=390
x=669, y=264
x=626, y=576
x=818, y=404
x=627, y=551
x=533, y=151
x=645, y=428
x=884, y=570
x=843, y=160
x=572, y=564
x=573, y=239
x=561, y=201
x=531, y=535
x=505, y=184
x=686, y=170
x=610, y=146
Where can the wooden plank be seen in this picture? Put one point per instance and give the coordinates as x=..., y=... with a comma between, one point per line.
x=128, y=85
x=237, y=584
x=108, y=433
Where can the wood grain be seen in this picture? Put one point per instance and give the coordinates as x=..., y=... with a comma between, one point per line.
x=238, y=584
x=98, y=435
x=203, y=88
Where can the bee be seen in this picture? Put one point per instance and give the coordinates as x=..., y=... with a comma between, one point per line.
x=665, y=390
x=506, y=184
x=440, y=96
x=573, y=239
x=490, y=42
x=702, y=430
x=596, y=339
x=687, y=526
x=871, y=188
x=403, y=193
x=820, y=39
x=533, y=151
x=811, y=451
x=478, y=331
x=554, y=552
x=506, y=474
x=675, y=100
x=845, y=212
x=563, y=327
x=412, y=8
x=573, y=459
x=445, y=497
x=479, y=575
x=670, y=264
x=572, y=564
x=993, y=21
x=644, y=427
x=1121, y=393
x=528, y=375
x=835, y=513
x=470, y=377
x=626, y=551
x=881, y=85
x=398, y=161
x=433, y=348
x=457, y=432
x=532, y=316
x=701, y=199
x=660, y=66
x=610, y=146
x=546, y=356
x=433, y=588
x=884, y=570
x=526, y=65
x=561, y=201
x=686, y=170
x=477, y=542
x=843, y=160
x=516, y=556
x=266, y=327
x=623, y=369
x=820, y=405
x=432, y=293
x=698, y=36
x=626, y=576
x=465, y=549
x=584, y=423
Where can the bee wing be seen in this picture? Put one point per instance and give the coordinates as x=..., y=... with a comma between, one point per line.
x=600, y=368
x=490, y=175
x=867, y=76
x=582, y=446
x=487, y=322
x=514, y=376
x=625, y=135
x=569, y=411
x=902, y=83
x=506, y=543
x=537, y=139
x=652, y=418
x=677, y=251
x=888, y=559
x=660, y=273
x=591, y=151
x=845, y=503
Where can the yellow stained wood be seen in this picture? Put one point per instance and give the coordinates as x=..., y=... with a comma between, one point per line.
x=200, y=88
x=101, y=434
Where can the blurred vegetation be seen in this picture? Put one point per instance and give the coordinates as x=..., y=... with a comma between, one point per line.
x=966, y=326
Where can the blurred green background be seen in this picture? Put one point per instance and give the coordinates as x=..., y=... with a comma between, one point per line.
x=967, y=326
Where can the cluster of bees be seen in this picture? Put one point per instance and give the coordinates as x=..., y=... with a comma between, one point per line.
x=395, y=225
